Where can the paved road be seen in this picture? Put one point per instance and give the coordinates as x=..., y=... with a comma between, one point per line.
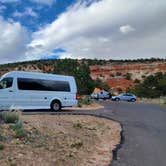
x=144, y=128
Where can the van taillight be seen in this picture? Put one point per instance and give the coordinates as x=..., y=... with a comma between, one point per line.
x=77, y=96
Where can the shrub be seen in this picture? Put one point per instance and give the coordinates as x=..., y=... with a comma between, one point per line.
x=17, y=125
x=77, y=125
x=10, y=117
x=1, y=146
x=77, y=144
x=20, y=132
x=1, y=137
x=19, y=129
x=85, y=101
x=128, y=76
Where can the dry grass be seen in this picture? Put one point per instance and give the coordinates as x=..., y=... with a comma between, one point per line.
x=61, y=140
x=161, y=100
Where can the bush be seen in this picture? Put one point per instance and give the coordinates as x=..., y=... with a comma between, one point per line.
x=153, y=86
x=128, y=76
x=84, y=101
x=1, y=137
x=20, y=132
x=77, y=144
x=1, y=146
x=10, y=117
x=18, y=125
x=77, y=125
x=19, y=129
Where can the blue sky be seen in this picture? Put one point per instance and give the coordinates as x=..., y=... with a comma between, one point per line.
x=104, y=29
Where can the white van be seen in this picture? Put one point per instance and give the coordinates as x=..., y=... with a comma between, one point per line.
x=32, y=90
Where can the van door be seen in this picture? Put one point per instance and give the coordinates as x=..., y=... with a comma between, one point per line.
x=22, y=96
x=6, y=93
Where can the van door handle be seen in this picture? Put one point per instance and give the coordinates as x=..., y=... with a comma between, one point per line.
x=10, y=91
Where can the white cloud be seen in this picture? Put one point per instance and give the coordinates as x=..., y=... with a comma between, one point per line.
x=13, y=40
x=96, y=31
x=125, y=29
x=28, y=12
x=93, y=32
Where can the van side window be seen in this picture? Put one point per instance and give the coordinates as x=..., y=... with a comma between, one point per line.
x=42, y=85
x=6, y=83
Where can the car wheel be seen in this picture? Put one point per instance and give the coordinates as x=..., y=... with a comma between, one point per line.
x=56, y=105
x=117, y=99
x=133, y=100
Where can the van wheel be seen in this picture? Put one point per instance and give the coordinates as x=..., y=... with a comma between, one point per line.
x=56, y=105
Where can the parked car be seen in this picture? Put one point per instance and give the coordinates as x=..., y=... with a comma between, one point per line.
x=101, y=95
x=125, y=96
x=32, y=90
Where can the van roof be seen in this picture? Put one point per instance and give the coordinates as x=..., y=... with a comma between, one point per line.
x=34, y=74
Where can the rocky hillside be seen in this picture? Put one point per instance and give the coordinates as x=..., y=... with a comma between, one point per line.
x=127, y=74
x=119, y=75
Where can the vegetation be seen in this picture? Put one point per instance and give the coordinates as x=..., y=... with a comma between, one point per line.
x=1, y=146
x=77, y=68
x=84, y=101
x=77, y=125
x=9, y=117
x=81, y=72
x=19, y=129
x=128, y=76
x=153, y=86
x=78, y=144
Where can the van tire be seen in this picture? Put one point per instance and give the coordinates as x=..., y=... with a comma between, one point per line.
x=56, y=105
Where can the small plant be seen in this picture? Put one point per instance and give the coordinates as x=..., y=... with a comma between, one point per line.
x=85, y=101
x=1, y=146
x=1, y=137
x=10, y=117
x=20, y=133
x=19, y=129
x=0, y=116
x=77, y=144
x=77, y=125
x=128, y=76
x=17, y=125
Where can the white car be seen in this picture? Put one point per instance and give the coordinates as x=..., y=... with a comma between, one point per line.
x=32, y=90
x=101, y=95
x=125, y=97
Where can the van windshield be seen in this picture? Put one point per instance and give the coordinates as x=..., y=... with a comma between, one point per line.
x=6, y=83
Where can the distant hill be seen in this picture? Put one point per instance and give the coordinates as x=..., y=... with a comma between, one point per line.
x=117, y=74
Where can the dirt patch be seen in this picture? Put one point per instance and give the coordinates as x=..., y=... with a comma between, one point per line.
x=92, y=106
x=61, y=140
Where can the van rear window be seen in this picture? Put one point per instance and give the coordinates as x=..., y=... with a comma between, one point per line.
x=42, y=85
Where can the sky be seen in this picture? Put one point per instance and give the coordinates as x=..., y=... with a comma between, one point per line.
x=101, y=29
